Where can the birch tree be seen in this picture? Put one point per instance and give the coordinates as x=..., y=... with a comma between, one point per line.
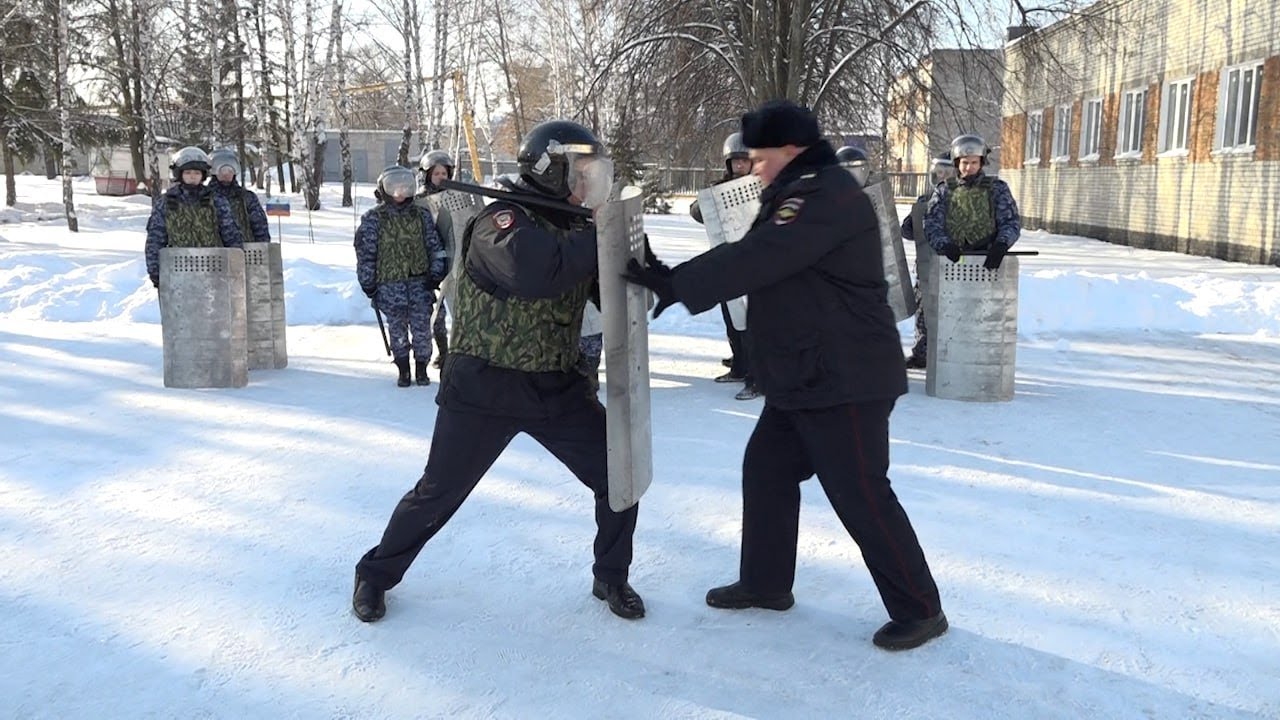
x=64, y=112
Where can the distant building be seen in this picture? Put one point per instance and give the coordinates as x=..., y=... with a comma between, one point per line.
x=1151, y=123
x=951, y=93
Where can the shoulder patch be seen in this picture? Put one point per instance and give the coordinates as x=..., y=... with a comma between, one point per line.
x=788, y=211
x=504, y=219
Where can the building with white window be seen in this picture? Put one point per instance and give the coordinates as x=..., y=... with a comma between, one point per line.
x=1152, y=123
x=951, y=93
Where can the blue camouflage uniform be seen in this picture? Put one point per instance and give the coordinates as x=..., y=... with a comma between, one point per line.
x=179, y=219
x=1000, y=211
x=400, y=262
x=248, y=212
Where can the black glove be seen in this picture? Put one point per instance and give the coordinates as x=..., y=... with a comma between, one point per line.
x=656, y=280
x=155, y=282
x=651, y=261
x=995, y=255
x=951, y=251
x=369, y=291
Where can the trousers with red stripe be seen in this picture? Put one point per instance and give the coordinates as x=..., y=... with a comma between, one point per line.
x=847, y=447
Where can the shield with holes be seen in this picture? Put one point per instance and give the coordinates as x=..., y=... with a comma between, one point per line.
x=728, y=209
x=202, y=317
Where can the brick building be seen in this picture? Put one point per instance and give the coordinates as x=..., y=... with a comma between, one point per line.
x=1151, y=123
x=953, y=92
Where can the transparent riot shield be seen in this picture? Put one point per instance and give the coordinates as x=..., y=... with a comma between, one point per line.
x=901, y=298
x=625, y=314
x=728, y=209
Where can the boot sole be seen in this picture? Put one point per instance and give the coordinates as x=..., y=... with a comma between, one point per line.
x=779, y=604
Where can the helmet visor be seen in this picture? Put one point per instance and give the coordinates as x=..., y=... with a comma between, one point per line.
x=590, y=178
x=399, y=183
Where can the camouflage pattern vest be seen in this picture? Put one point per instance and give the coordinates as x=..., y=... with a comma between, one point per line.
x=401, y=252
x=192, y=224
x=971, y=213
x=239, y=211
x=525, y=334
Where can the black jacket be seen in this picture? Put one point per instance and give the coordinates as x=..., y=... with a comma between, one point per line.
x=821, y=329
x=511, y=254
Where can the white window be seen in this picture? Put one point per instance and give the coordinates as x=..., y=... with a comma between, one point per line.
x=1090, y=128
x=1062, y=132
x=1133, y=115
x=1238, y=110
x=1035, y=121
x=1175, y=116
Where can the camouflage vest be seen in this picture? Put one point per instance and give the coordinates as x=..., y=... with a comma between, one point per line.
x=525, y=334
x=192, y=224
x=401, y=251
x=240, y=212
x=971, y=213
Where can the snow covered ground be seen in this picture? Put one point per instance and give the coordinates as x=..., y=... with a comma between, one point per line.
x=1105, y=544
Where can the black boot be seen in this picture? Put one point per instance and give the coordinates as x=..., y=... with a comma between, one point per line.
x=403, y=365
x=623, y=601
x=442, y=349
x=368, y=602
x=906, y=635
x=420, y=371
x=738, y=597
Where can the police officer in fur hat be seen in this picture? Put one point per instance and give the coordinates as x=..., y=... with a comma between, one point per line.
x=826, y=352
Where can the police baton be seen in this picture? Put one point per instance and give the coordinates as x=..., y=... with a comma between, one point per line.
x=383, y=329
x=519, y=198
x=984, y=253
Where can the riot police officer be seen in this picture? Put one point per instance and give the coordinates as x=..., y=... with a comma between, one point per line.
x=972, y=211
x=189, y=214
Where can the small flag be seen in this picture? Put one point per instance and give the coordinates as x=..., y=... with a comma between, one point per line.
x=277, y=209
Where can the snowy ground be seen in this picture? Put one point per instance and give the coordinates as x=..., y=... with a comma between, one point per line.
x=1106, y=544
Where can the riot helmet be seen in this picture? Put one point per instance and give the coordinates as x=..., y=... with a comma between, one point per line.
x=396, y=184
x=734, y=149
x=564, y=160
x=856, y=161
x=224, y=159
x=942, y=169
x=430, y=159
x=190, y=158
x=968, y=146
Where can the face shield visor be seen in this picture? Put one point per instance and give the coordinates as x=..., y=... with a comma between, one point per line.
x=399, y=184
x=590, y=174
x=226, y=169
x=943, y=171
x=860, y=171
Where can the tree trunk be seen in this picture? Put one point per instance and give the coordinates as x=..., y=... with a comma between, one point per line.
x=410, y=105
x=292, y=125
x=268, y=120
x=10, y=186
x=64, y=112
x=517, y=112
x=440, y=68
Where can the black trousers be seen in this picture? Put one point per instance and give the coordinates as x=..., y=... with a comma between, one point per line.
x=847, y=447
x=737, y=345
x=463, y=447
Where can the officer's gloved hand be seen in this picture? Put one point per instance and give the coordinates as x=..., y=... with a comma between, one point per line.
x=657, y=281
x=651, y=261
x=369, y=291
x=951, y=251
x=995, y=255
x=155, y=283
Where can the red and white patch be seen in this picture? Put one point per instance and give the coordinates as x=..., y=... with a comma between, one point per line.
x=504, y=219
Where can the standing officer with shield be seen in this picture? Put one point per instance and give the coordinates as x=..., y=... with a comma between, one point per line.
x=827, y=356
x=525, y=273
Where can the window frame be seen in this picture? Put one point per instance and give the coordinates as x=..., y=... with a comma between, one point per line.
x=1172, y=102
x=1229, y=113
x=1131, y=123
x=1034, y=118
x=1091, y=128
x=1061, y=151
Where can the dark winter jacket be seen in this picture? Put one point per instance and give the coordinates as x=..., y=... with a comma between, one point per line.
x=822, y=331
x=520, y=251
x=179, y=195
x=248, y=212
